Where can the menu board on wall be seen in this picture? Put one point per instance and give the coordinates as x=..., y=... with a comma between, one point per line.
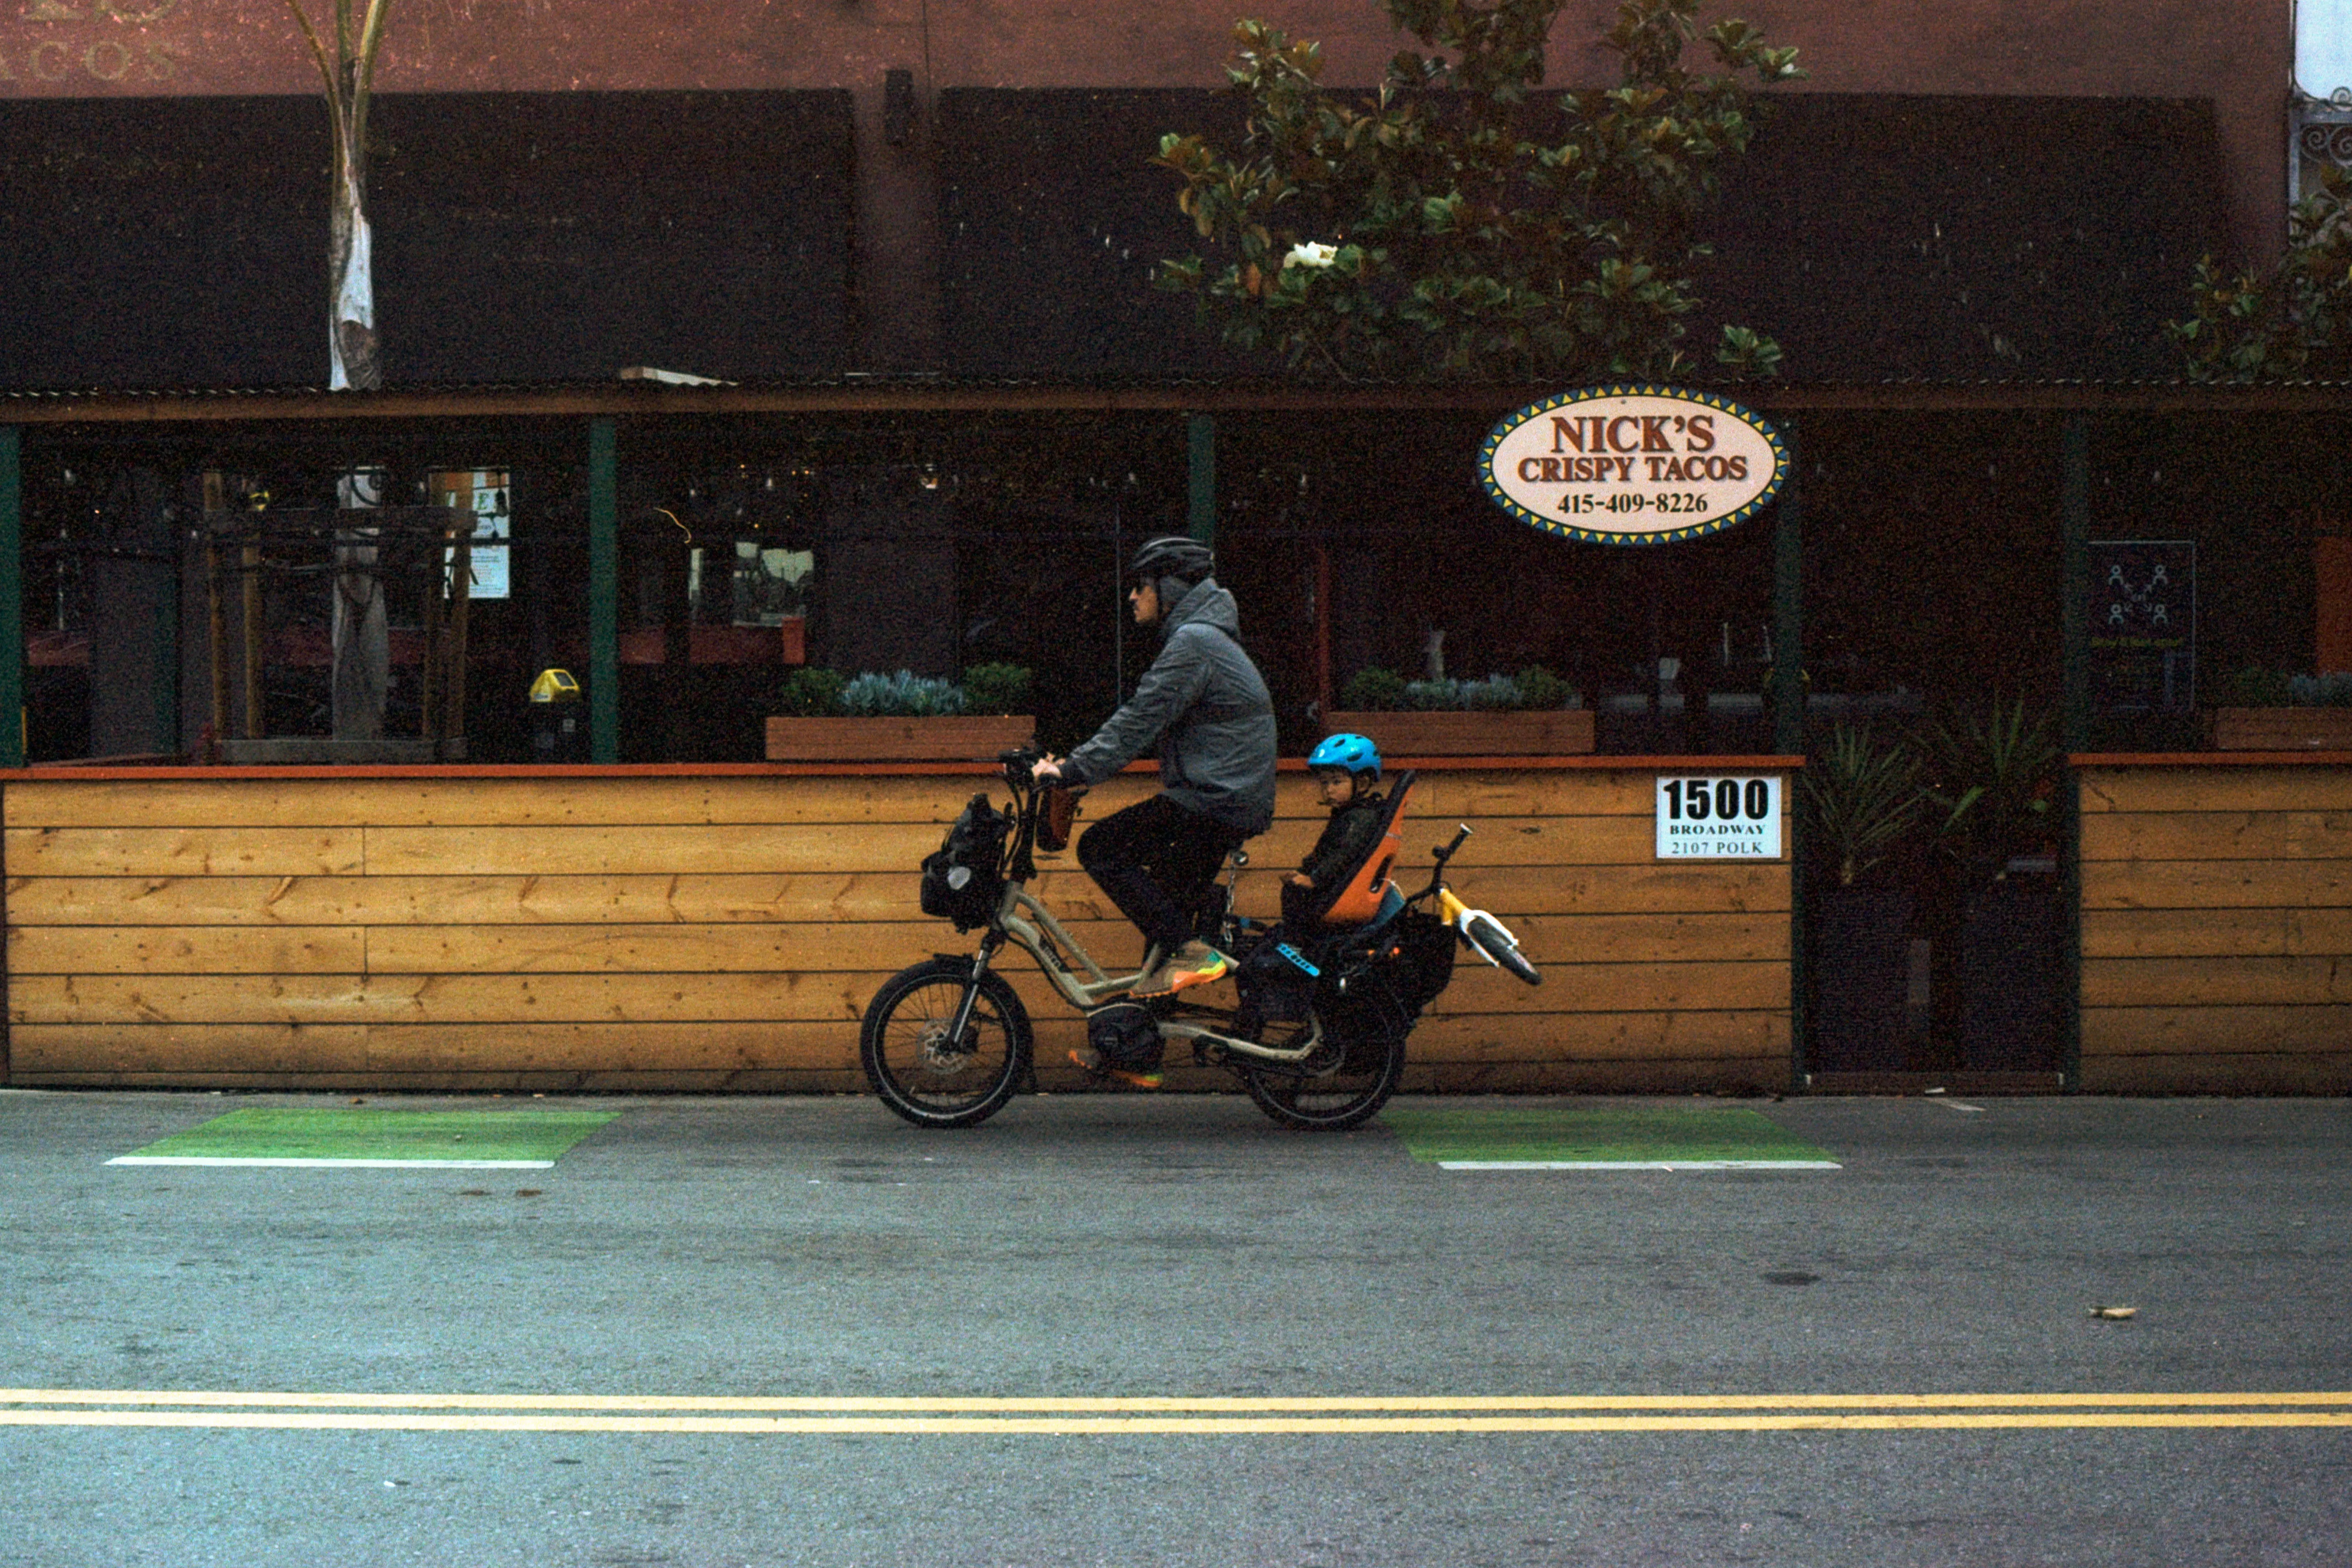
x=2143, y=625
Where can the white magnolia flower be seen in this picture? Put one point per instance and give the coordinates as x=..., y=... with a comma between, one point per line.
x=1310, y=253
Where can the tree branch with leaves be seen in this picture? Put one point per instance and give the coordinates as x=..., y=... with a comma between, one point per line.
x=2296, y=321
x=349, y=74
x=1446, y=228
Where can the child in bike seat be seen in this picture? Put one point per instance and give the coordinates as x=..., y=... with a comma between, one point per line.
x=1346, y=769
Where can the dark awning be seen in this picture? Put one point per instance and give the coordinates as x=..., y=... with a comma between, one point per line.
x=517, y=237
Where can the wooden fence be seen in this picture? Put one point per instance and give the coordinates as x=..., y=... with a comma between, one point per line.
x=2217, y=928
x=584, y=930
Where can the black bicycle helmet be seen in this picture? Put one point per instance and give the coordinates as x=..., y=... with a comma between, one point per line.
x=1173, y=555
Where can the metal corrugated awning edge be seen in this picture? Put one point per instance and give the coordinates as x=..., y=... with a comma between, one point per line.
x=855, y=392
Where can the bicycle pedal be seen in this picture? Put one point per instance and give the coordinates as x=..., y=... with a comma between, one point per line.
x=1097, y=1070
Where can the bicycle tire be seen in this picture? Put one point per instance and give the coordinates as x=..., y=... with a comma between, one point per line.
x=1364, y=1034
x=914, y=1070
x=1487, y=938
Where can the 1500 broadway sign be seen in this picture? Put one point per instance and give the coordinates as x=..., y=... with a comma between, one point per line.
x=1720, y=818
x=1632, y=465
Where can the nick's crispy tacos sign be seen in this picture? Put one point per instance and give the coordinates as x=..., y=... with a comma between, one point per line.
x=1632, y=465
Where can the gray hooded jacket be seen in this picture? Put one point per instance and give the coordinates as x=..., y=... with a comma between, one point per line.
x=1207, y=706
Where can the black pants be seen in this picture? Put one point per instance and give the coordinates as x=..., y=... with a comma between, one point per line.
x=1158, y=860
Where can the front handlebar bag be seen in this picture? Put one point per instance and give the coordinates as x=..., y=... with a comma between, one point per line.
x=963, y=879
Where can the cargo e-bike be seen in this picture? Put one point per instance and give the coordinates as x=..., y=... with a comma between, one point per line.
x=1317, y=1036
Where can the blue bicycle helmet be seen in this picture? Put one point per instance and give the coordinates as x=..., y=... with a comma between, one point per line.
x=1354, y=752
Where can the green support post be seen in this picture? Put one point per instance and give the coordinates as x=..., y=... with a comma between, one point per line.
x=1788, y=607
x=12, y=597
x=603, y=594
x=1789, y=722
x=1201, y=476
x=2074, y=729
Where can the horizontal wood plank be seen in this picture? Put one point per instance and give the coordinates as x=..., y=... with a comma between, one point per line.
x=2216, y=884
x=2216, y=932
x=238, y=851
x=492, y=998
x=718, y=897
x=2235, y=982
x=2108, y=790
x=2219, y=835
x=185, y=949
x=2234, y=1073
x=1565, y=941
x=2191, y=1031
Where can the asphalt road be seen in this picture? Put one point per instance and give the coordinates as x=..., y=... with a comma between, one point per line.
x=1126, y=1247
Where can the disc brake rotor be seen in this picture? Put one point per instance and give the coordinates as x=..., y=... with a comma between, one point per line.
x=942, y=1054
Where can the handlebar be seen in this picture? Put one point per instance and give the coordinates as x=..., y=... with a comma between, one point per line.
x=1443, y=853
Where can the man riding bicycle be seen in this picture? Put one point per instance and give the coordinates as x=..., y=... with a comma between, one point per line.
x=1206, y=706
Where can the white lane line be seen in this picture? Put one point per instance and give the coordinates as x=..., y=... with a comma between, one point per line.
x=1812, y=1421
x=1639, y=1165
x=334, y=1165
x=1162, y=1404
x=1964, y=1110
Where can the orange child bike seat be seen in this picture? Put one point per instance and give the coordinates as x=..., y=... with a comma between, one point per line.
x=1360, y=900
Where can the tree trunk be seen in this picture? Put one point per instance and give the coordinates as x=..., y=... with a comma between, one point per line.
x=350, y=300
x=362, y=639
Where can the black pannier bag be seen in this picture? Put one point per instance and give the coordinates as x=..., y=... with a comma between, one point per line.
x=963, y=879
x=1418, y=959
x=1277, y=979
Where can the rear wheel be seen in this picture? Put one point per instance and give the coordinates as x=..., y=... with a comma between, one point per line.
x=1351, y=1074
x=924, y=1071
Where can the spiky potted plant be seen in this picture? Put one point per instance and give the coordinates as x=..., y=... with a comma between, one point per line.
x=1863, y=804
x=1996, y=773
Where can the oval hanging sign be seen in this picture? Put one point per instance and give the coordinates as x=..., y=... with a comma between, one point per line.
x=1632, y=465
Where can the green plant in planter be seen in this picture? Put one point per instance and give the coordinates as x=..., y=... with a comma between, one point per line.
x=2330, y=691
x=1541, y=689
x=1378, y=691
x=1994, y=774
x=1373, y=690
x=1862, y=799
x=905, y=695
x=2254, y=687
x=996, y=689
x=811, y=692
x=1496, y=694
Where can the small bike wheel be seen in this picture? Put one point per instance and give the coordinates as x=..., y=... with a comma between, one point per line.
x=1349, y=1076
x=917, y=1070
x=1487, y=938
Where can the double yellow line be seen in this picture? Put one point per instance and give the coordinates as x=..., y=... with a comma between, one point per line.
x=1165, y=1416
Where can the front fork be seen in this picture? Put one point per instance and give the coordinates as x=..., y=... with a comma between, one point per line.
x=988, y=946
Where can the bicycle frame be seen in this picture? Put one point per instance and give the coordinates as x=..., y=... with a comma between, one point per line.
x=1022, y=919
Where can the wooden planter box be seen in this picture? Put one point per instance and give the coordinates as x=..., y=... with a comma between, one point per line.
x=1553, y=732
x=2282, y=729
x=956, y=738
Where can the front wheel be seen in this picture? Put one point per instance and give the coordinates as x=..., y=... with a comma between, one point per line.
x=922, y=1073
x=1351, y=1076
x=1489, y=939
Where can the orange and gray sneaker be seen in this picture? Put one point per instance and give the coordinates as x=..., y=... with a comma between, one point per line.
x=1194, y=963
x=1092, y=1061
